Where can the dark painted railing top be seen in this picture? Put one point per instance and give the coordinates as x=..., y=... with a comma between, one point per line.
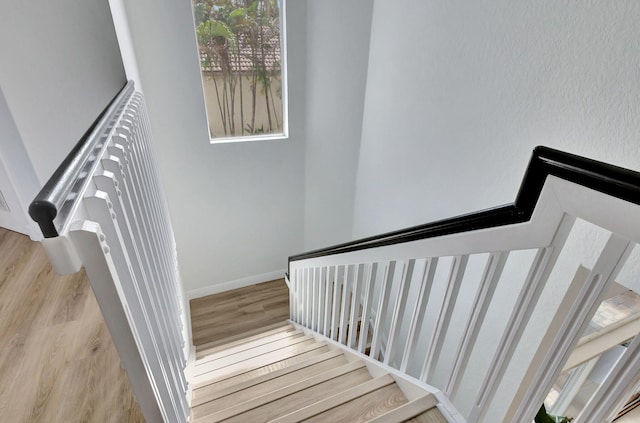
x=53, y=204
x=612, y=180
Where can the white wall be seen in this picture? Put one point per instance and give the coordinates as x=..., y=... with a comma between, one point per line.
x=18, y=181
x=337, y=58
x=60, y=67
x=459, y=92
x=237, y=209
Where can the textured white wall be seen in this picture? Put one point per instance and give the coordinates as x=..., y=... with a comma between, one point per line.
x=60, y=67
x=337, y=59
x=18, y=181
x=459, y=93
x=237, y=208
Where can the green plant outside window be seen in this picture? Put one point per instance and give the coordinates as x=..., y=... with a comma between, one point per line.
x=241, y=59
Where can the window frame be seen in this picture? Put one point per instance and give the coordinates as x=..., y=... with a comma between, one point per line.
x=284, y=134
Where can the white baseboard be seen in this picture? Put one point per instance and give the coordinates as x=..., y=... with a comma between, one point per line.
x=238, y=283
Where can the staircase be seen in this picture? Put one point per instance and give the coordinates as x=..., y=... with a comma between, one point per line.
x=282, y=374
x=476, y=314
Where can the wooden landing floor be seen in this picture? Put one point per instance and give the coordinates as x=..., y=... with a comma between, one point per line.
x=237, y=311
x=57, y=360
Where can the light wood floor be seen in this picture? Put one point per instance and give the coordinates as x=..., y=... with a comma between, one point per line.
x=237, y=311
x=57, y=360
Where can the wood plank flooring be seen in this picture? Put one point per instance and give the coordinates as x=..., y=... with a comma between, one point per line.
x=57, y=360
x=238, y=311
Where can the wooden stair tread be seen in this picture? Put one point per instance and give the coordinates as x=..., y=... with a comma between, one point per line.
x=242, y=375
x=219, y=390
x=255, y=363
x=408, y=411
x=301, y=399
x=283, y=375
x=269, y=339
x=264, y=388
x=294, y=396
x=241, y=338
x=260, y=350
x=429, y=416
x=360, y=403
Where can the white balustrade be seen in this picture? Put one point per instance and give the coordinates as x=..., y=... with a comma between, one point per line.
x=119, y=230
x=395, y=304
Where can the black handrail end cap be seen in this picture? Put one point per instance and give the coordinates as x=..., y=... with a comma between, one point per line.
x=43, y=213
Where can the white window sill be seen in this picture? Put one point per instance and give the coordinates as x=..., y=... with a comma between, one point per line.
x=249, y=138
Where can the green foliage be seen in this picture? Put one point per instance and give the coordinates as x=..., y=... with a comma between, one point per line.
x=254, y=131
x=234, y=38
x=215, y=34
x=543, y=417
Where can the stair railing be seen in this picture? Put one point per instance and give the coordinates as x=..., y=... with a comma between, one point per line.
x=104, y=210
x=487, y=307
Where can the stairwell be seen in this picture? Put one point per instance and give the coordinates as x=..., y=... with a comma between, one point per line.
x=281, y=374
x=375, y=328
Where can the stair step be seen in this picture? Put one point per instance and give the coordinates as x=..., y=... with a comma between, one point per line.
x=221, y=344
x=344, y=406
x=257, y=351
x=410, y=410
x=219, y=390
x=255, y=343
x=267, y=387
x=430, y=416
x=289, y=398
x=223, y=365
x=261, y=365
x=280, y=374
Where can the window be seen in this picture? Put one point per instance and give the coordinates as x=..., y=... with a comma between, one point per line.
x=242, y=59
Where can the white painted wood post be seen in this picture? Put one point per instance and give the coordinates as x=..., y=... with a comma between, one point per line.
x=383, y=303
x=525, y=304
x=480, y=306
x=458, y=267
x=370, y=277
x=335, y=309
x=398, y=308
x=419, y=311
x=345, y=302
x=572, y=387
x=617, y=388
x=94, y=253
x=328, y=300
x=355, y=306
x=567, y=327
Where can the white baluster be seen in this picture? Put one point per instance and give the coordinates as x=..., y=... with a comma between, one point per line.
x=398, y=309
x=479, y=307
x=419, y=311
x=525, y=304
x=313, y=308
x=345, y=303
x=328, y=300
x=322, y=285
x=569, y=323
x=335, y=308
x=370, y=277
x=355, y=306
x=617, y=388
x=444, y=318
x=383, y=303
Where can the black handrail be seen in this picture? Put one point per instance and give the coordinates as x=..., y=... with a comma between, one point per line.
x=606, y=178
x=54, y=202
